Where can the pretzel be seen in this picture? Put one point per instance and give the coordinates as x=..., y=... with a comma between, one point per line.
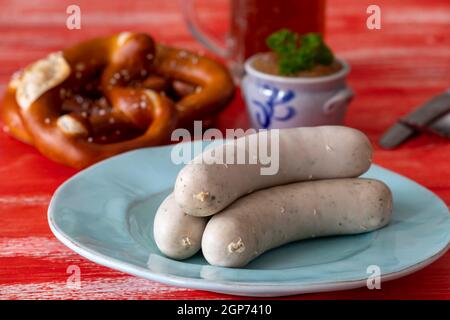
x=206, y=85
x=110, y=95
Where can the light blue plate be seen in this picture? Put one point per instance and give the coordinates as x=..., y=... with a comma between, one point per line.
x=105, y=213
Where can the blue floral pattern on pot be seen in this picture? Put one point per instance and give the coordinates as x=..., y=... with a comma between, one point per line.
x=276, y=99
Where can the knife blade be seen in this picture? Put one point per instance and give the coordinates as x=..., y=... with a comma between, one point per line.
x=441, y=126
x=416, y=121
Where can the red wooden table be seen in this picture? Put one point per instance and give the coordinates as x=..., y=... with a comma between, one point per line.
x=394, y=69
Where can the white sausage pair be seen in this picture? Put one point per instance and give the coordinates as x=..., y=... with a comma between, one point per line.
x=269, y=218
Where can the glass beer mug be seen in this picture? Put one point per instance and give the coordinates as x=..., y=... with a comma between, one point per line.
x=251, y=21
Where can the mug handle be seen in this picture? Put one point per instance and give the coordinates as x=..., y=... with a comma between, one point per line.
x=187, y=8
x=343, y=96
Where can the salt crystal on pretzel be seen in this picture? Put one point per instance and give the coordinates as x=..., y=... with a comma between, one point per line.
x=71, y=126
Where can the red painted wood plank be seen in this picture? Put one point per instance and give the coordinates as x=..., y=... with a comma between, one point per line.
x=394, y=69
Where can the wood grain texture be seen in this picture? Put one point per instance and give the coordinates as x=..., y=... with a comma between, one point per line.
x=393, y=70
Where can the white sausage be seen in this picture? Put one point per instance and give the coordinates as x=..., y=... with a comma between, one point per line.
x=177, y=234
x=269, y=218
x=304, y=154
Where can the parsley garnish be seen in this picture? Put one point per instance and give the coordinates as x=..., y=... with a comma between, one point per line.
x=299, y=53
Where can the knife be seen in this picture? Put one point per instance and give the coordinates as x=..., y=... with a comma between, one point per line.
x=441, y=126
x=432, y=116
